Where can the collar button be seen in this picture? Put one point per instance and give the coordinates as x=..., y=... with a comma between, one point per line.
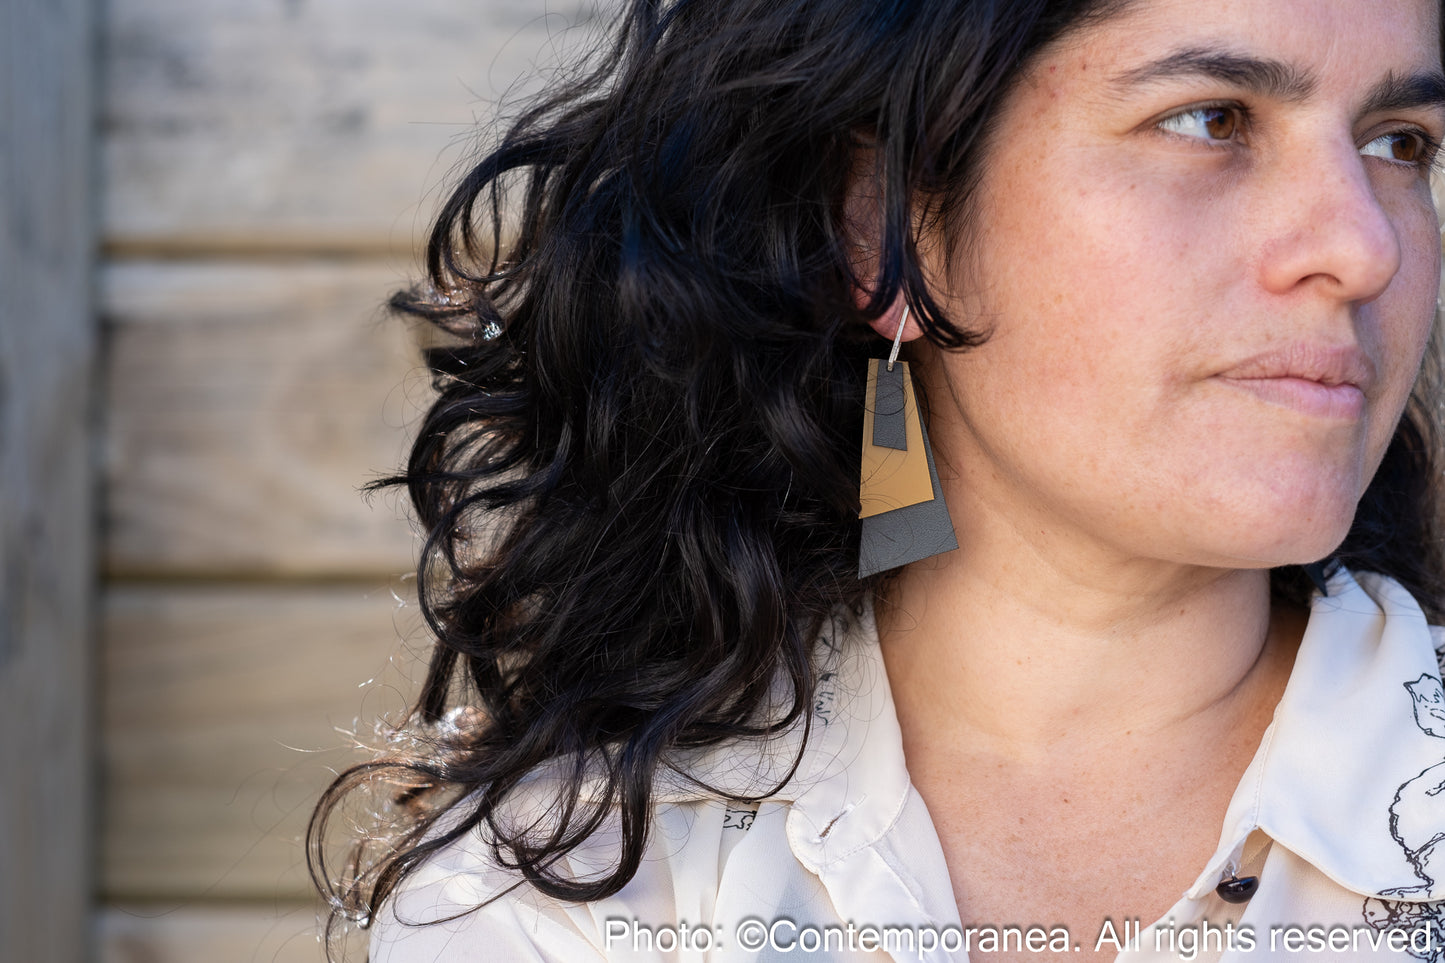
x=1237, y=890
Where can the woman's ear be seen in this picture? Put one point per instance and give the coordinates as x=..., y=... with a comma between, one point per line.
x=863, y=210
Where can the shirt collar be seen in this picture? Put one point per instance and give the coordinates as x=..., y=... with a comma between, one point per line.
x=1347, y=774
x=851, y=792
x=851, y=726
x=850, y=781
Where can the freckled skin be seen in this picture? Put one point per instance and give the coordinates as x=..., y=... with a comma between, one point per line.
x=1121, y=268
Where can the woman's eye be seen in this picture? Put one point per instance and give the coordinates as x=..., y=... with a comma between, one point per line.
x=1401, y=146
x=1205, y=123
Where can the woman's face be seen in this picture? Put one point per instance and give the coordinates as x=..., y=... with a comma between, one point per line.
x=1206, y=250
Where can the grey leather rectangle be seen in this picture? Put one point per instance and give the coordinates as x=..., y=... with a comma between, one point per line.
x=889, y=426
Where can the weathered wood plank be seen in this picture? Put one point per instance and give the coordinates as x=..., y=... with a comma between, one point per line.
x=220, y=716
x=284, y=932
x=302, y=123
x=247, y=404
x=47, y=353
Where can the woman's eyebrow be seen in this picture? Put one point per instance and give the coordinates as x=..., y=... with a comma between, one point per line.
x=1411, y=92
x=1271, y=78
x=1281, y=81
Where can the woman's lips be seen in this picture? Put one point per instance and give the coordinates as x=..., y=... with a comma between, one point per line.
x=1339, y=402
x=1324, y=381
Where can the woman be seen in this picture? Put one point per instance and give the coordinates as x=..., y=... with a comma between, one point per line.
x=1164, y=278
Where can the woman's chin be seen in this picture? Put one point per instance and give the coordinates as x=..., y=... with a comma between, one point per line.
x=1296, y=539
x=1267, y=528
x=1298, y=511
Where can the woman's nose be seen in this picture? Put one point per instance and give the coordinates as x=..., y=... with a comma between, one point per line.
x=1331, y=230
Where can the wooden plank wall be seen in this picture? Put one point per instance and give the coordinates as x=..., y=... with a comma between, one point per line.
x=268, y=166
x=47, y=353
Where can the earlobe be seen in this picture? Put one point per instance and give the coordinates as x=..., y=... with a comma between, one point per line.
x=898, y=323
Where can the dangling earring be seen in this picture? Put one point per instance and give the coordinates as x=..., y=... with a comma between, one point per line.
x=904, y=517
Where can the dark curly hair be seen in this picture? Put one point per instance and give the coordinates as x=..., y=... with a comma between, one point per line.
x=638, y=481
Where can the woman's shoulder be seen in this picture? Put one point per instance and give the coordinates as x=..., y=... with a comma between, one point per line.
x=465, y=903
x=462, y=903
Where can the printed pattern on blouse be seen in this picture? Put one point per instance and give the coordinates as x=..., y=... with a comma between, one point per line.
x=1417, y=824
x=737, y=816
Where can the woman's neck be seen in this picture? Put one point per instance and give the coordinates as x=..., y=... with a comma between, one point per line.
x=1019, y=655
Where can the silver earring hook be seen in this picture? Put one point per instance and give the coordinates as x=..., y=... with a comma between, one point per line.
x=898, y=338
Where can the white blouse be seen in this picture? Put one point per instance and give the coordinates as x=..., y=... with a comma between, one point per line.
x=1340, y=815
